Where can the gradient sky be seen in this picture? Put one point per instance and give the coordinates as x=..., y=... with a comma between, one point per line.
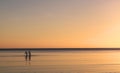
x=59, y=23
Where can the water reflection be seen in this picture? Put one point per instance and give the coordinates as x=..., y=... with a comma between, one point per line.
x=60, y=62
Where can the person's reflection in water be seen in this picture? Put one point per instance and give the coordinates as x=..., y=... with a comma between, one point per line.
x=26, y=57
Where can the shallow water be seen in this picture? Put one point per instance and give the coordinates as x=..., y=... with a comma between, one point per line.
x=104, y=61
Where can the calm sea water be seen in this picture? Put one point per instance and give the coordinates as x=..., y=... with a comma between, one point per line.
x=60, y=62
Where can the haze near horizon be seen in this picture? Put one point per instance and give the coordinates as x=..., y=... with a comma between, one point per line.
x=59, y=23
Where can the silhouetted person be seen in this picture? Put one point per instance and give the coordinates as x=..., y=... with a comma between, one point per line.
x=29, y=55
x=26, y=55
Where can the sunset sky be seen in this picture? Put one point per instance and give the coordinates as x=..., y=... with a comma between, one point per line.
x=59, y=23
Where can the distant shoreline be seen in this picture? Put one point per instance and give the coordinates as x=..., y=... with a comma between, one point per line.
x=59, y=49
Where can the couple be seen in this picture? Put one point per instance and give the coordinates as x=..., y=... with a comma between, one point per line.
x=27, y=55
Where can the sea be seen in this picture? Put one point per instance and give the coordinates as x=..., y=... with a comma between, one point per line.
x=60, y=61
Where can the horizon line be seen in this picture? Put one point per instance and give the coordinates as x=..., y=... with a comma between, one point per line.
x=59, y=48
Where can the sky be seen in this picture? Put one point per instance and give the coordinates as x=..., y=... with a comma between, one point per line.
x=59, y=23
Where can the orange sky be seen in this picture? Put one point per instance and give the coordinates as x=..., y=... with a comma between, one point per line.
x=59, y=24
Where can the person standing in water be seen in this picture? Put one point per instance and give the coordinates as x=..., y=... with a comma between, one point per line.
x=29, y=55
x=26, y=55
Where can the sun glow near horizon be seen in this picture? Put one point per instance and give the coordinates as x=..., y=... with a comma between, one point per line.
x=60, y=24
